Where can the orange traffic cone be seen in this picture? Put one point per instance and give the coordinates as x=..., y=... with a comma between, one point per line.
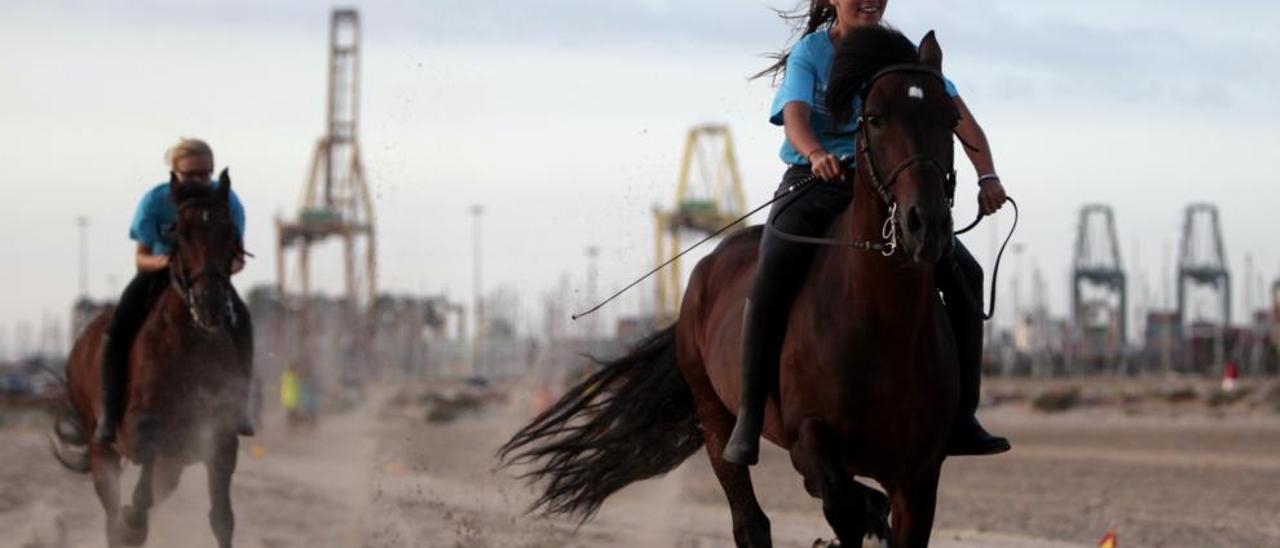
x=1109, y=541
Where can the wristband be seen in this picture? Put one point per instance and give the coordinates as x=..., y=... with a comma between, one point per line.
x=988, y=177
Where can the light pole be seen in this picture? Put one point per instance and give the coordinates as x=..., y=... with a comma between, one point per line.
x=82, y=222
x=593, y=252
x=477, y=288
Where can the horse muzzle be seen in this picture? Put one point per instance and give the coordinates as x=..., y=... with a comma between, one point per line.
x=926, y=233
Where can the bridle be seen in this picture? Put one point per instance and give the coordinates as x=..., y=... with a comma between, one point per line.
x=888, y=245
x=183, y=282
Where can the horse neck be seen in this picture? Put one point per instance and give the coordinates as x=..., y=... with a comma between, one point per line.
x=175, y=316
x=876, y=286
x=171, y=308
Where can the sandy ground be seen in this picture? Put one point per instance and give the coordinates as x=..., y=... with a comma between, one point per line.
x=377, y=479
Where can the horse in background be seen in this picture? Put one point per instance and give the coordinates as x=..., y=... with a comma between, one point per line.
x=185, y=379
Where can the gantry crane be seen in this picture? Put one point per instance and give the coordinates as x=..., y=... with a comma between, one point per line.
x=1202, y=263
x=709, y=196
x=335, y=205
x=1099, y=295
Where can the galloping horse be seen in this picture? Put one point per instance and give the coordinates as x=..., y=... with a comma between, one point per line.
x=868, y=383
x=185, y=379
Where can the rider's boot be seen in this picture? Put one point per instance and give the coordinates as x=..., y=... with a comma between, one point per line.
x=242, y=332
x=780, y=272
x=968, y=436
x=111, y=395
x=759, y=368
x=244, y=425
x=764, y=326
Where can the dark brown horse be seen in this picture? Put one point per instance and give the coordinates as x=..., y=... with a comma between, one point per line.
x=185, y=379
x=868, y=383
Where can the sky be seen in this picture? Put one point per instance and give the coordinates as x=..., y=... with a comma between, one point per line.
x=565, y=119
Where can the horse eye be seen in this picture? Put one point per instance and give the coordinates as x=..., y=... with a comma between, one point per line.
x=875, y=121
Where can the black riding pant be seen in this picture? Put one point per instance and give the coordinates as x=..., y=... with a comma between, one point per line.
x=783, y=265
x=131, y=311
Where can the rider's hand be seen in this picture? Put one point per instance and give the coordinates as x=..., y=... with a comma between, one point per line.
x=991, y=196
x=825, y=165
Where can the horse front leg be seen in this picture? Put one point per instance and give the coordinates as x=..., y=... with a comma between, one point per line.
x=853, y=510
x=913, y=509
x=220, y=466
x=104, y=464
x=133, y=524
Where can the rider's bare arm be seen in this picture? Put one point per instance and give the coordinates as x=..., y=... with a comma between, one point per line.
x=991, y=194
x=146, y=262
x=795, y=121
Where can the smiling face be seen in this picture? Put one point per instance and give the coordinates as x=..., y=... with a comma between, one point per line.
x=859, y=13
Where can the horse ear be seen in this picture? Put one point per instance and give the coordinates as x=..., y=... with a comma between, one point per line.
x=224, y=184
x=931, y=52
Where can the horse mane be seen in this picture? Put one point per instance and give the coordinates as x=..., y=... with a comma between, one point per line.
x=863, y=53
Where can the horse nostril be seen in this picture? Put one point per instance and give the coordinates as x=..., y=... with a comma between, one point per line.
x=914, y=223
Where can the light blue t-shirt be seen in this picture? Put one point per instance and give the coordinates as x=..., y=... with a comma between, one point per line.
x=808, y=72
x=154, y=221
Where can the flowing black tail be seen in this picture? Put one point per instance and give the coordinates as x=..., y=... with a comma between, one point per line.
x=69, y=441
x=632, y=420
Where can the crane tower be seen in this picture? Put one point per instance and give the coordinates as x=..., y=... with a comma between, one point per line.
x=709, y=196
x=1202, y=264
x=335, y=205
x=1099, y=295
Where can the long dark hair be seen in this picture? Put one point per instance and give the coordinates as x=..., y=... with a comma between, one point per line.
x=802, y=20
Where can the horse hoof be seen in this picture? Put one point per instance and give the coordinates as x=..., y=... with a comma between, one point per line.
x=133, y=537
x=133, y=527
x=873, y=540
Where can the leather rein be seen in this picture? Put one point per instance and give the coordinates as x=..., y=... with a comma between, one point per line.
x=888, y=244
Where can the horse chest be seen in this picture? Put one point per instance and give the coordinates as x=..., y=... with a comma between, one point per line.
x=186, y=366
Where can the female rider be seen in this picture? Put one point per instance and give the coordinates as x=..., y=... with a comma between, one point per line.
x=815, y=143
x=191, y=161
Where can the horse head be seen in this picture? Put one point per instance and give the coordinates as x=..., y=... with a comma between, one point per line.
x=206, y=245
x=904, y=145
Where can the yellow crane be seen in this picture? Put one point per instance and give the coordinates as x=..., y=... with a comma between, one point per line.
x=709, y=195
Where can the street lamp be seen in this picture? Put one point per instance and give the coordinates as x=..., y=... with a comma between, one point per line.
x=477, y=288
